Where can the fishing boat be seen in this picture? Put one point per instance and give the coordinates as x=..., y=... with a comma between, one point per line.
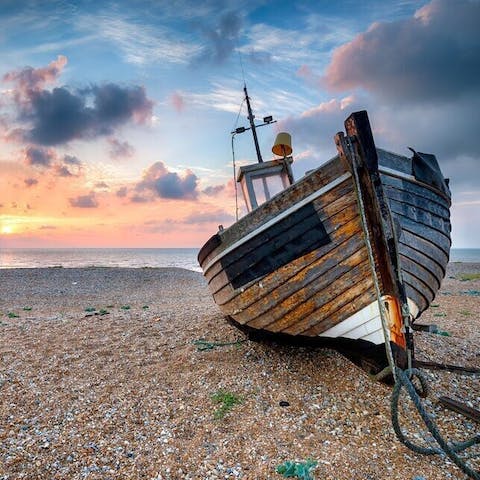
x=349, y=255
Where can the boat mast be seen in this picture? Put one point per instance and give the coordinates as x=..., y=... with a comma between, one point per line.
x=251, y=117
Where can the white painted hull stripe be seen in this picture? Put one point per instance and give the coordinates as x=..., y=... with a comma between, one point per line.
x=279, y=217
x=397, y=173
x=366, y=324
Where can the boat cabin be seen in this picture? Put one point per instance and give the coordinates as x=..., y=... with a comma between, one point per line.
x=261, y=181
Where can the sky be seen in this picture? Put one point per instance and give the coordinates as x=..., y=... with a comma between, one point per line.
x=115, y=116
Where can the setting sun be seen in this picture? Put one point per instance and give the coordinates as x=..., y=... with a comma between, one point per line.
x=7, y=229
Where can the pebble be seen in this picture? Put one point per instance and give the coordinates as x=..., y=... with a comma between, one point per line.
x=128, y=396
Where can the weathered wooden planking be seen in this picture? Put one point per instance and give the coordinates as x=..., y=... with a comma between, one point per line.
x=338, y=211
x=258, y=290
x=331, y=202
x=417, y=200
x=435, y=237
x=420, y=258
x=212, y=243
x=311, y=299
x=334, y=225
x=316, y=326
x=350, y=298
x=417, y=291
x=295, y=236
x=418, y=271
x=429, y=249
x=305, y=282
x=420, y=216
x=291, y=222
x=392, y=183
x=297, y=192
x=364, y=162
x=394, y=161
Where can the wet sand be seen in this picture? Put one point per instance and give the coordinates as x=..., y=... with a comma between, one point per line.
x=100, y=379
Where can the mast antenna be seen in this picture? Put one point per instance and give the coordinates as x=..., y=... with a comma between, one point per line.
x=251, y=117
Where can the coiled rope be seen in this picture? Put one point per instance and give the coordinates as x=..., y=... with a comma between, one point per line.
x=404, y=379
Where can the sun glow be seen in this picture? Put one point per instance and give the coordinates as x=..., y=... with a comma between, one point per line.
x=7, y=229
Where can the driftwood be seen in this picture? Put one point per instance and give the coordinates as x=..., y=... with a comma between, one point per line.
x=459, y=407
x=446, y=366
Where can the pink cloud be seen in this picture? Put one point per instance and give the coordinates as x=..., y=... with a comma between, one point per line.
x=84, y=201
x=430, y=56
x=37, y=156
x=158, y=181
x=58, y=115
x=177, y=101
x=34, y=79
x=120, y=149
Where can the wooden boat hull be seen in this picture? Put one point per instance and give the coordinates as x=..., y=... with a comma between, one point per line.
x=421, y=212
x=299, y=265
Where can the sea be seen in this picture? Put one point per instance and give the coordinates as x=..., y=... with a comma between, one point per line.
x=99, y=257
x=136, y=257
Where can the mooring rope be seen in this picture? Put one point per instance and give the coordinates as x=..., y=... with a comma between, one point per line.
x=451, y=449
x=403, y=379
x=203, y=345
x=371, y=259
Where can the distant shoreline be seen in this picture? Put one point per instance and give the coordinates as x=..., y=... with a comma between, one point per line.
x=197, y=270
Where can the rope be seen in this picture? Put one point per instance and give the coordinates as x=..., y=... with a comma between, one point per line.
x=235, y=180
x=381, y=306
x=233, y=159
x=203, y=345
x=451, y=449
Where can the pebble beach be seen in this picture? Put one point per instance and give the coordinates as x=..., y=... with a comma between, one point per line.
x=119, y=373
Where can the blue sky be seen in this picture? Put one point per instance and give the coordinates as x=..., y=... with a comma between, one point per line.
x=116, y=116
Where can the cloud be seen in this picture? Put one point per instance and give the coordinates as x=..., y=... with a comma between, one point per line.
x=197, y=218
x=57, y=116
x=34, y=79
x=215, y=216
x=139, y=199
x=84, y=201
x=47, y=159
x=213, y=191
x=39, y=156
x=160, y=182
x=221, y=98
x=60, y=116
x=428, y=57
x=63, y=171
x=121, y=192
x=315, y=128
x=221, y=38
x=140, y=44
x=177, y=100
x=29, y=182
x=416, y=77
x=71, y=160
x=120, y=149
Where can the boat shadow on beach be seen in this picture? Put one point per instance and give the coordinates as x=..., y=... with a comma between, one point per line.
x=369, y=357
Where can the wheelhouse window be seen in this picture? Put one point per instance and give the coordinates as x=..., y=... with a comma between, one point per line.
x=262, y=181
